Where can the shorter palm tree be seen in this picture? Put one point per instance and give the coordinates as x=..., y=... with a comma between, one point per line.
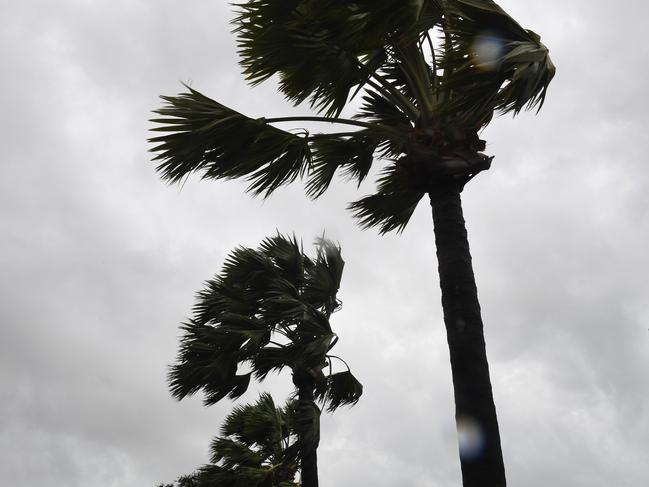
x=258, y=447
x=269, y=309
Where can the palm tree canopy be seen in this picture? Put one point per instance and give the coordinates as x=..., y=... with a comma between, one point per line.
x=268, y=309
x=257, y=447
x=430, y=73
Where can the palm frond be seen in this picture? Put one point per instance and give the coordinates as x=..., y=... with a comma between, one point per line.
x=313, y=351
x=316, y=46
x=273, y=359
x=247, y=266
x=294, y=41
x=353, y=153
x=256, y=423
x=490, y=63
x=312, y=323
x=201, y=135
x=207, y=360
x=251, y=333
x=232, y=453
x=323, y=280
x=287, y=257
x=392, y=205
x=378, y=109
x=342, y=389
x=220, y=296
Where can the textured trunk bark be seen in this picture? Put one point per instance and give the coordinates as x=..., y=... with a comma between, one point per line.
x=310, y=436
x=480, y=452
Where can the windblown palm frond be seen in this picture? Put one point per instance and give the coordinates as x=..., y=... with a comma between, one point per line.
x=322, y=49
x=322, y=280
x=342, y=389
x=393, y=204
x=491, y=63
x=353, y=154
x=268, y=310
x=203, y=135
x=260, y=425
x=207, y=361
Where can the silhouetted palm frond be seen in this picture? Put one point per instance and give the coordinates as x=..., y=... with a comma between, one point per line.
x=343, y=389
x=203, y=135
x=353, y=154
x=491, y=63
x=392, y=205
x=323, y=49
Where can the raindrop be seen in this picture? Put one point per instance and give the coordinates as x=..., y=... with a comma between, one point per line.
x=471, y=438
x=487, y=51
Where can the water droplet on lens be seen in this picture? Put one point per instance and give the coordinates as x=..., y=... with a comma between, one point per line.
x=487, y=49
x=470, y=438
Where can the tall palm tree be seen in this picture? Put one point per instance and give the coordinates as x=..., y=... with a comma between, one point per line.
x=257, y=448
x=430, y=74
x=267, y=310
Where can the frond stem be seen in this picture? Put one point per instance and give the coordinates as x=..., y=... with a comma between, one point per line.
x=448, y=46
x=432, y=52
x=337, y=357
x=412, y=68
x=344, y=121
x=335, y=134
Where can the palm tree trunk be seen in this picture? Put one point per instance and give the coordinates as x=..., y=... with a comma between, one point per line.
x=480, y=452
x=308, y=429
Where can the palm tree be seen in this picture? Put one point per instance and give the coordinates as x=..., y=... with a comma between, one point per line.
x=267, y=310
x=430, y=74
x=257, y=448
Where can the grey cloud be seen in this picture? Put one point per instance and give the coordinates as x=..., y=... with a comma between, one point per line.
x=100, y=261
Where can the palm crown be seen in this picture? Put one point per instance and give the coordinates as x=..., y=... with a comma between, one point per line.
x=267, y=310
x=430, y=74
x=258, y=447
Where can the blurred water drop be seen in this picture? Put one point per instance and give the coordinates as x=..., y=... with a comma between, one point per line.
x=487, y=51
x=470, y=438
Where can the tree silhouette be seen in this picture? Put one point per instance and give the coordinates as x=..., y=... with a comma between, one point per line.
x=267, y=310
x=430, y=74
x=258, y=447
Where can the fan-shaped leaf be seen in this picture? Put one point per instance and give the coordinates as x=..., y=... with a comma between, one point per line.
x=490, y=63
x=392, y=205
x=203, y=135
x=342, y=389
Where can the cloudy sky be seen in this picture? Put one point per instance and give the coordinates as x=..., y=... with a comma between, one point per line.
x=99, y=260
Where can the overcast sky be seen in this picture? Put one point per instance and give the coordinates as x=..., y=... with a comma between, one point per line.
x=100, y=260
